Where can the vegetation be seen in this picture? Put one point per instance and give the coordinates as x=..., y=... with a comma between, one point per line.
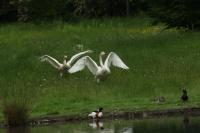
x=161, y=63
x=16, y=114
x=175, y=13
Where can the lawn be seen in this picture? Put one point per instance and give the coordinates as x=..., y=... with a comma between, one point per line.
x=161, y=62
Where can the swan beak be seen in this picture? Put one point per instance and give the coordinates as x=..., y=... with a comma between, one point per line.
x=65, y=57
x=90, y=51
x=103, y=53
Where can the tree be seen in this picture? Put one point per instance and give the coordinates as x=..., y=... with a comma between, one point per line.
x=177, y=13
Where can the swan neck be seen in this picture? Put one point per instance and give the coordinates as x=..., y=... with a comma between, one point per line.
x=101, y=60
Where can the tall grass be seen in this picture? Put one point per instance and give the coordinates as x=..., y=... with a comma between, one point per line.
x=161, y=63
x=16, y=114
x=17, y=99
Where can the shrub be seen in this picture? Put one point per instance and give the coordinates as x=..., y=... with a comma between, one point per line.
x=8, y=10
x=15, y=113
x=17, y=98
x=99, y=8
x=177, y=13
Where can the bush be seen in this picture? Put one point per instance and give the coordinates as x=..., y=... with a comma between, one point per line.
x=177, y=13
x=16, y=114
x=42, y=10
x=8, y=10
x=99, y=8
x=45, y=9
x=17, y=98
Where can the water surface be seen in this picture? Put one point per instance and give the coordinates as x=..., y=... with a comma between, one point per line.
x=161, y=125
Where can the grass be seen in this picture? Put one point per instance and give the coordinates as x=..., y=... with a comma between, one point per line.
x=161, y=62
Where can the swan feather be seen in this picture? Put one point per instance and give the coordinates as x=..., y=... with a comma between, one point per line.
x=76, y=56
x=115, y=60
x=51, y=60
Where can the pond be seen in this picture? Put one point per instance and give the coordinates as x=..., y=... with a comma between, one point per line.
x=159, y=125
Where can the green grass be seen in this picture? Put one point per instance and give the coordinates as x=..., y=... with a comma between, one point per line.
x=161, y=62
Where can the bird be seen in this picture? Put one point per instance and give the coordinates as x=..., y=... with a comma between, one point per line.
x=160, y=99
x=184, y=96
x=66, y=65
x=96, y=114
x=101, y=71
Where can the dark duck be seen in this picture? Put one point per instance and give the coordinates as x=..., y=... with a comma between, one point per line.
x=184, y=96
x=96, y=114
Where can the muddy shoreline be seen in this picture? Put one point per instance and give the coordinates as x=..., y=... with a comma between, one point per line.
x=185, y=112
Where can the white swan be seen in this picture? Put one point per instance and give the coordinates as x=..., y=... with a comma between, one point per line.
x=101, y=71
x=66, y=65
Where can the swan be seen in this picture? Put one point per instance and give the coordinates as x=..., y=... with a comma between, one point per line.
x=101, y=71
x=66, y=65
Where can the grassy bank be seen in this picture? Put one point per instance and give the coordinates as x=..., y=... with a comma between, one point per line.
x=161, y=62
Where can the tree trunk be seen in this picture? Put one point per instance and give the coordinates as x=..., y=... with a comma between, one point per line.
x=127, y=8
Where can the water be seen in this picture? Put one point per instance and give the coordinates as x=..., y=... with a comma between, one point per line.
x=164, y=125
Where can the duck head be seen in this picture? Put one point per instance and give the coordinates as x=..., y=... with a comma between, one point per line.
x=184, y=91
x=100, y=109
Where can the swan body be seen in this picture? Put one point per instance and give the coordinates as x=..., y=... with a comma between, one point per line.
x=66, y=65
x=96, y=114
x=102, y=71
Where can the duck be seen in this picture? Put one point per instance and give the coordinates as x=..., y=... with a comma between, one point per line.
x=99, y=71
x=66, y=65
x=184, y=96
x=96, y=114
x=160, y=99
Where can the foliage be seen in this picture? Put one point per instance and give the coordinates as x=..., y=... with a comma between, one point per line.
x=177, y=13
x=16, y=114
x=8, y=10
x=45, y=9
x=26, y=10
x=99, y=8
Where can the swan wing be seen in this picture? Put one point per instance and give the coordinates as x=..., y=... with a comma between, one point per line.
x=92, y=65
x=78, y=66
x=51, y=60
x=93, y=114
x=81, y=63
x=115, y=60
x=76, y=56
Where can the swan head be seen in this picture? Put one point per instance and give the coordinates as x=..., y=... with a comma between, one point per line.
x=90, y=51
x=65, y=57
x=102, y=53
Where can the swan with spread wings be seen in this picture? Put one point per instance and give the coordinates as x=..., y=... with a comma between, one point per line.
x=66, y=65
x=100, y=72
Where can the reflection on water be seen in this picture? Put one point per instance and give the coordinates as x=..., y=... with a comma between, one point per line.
x=18, y=130
x=96, y=125
x=164, y=125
